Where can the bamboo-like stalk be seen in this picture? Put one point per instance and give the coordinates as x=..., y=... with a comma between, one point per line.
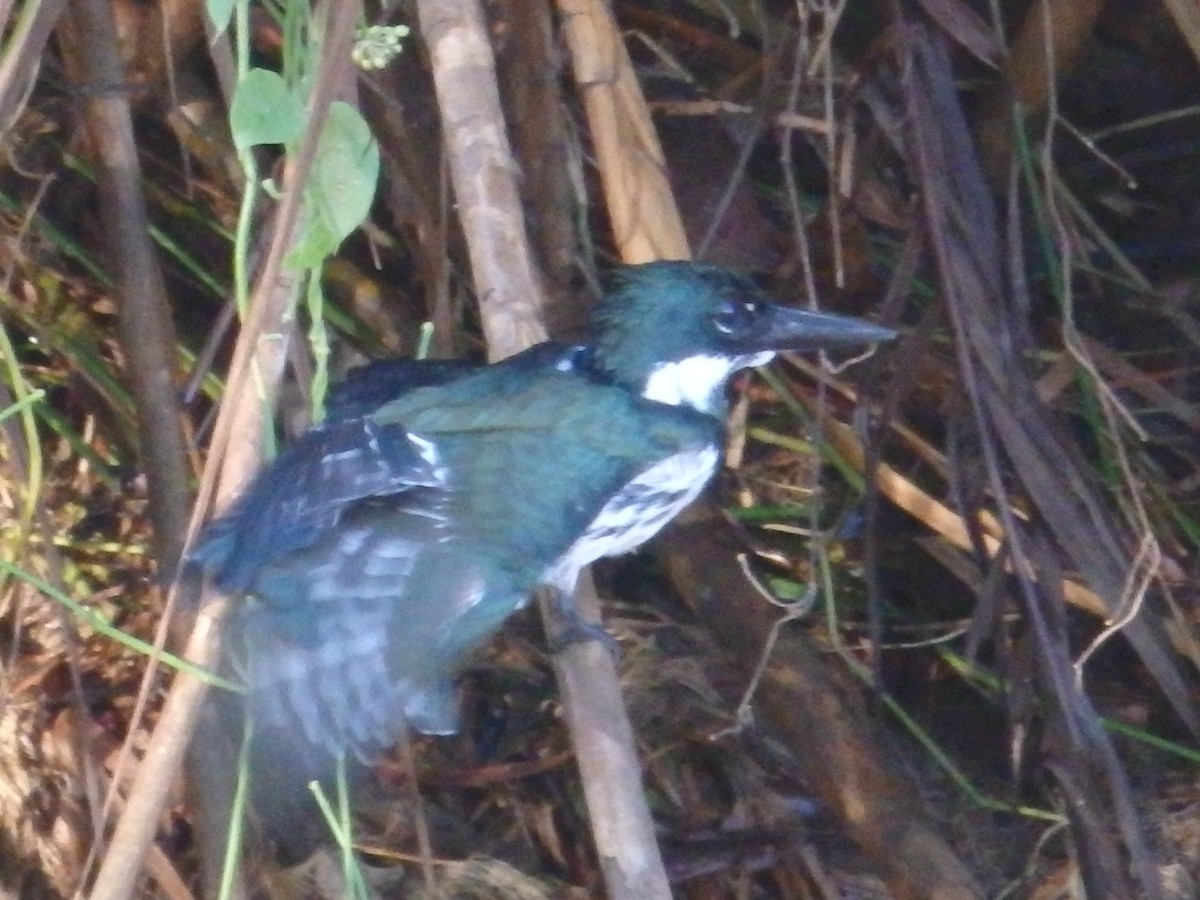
x=235, y=456
x=143, y=313
x=482, y=168
x=645, y=223
x=28, y=33
x=483, y=173
x=1187, y=19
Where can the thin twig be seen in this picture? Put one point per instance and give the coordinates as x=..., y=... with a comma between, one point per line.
x=235, y=461
x=482, y=169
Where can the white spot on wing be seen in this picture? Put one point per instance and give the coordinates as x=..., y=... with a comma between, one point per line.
x=435, y=508
x=428, y=451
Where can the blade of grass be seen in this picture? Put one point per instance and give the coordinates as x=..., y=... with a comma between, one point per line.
x=101, y=626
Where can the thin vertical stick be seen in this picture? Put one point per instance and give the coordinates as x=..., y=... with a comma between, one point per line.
x=482, y=170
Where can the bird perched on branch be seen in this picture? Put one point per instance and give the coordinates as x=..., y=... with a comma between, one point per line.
x=390, y=541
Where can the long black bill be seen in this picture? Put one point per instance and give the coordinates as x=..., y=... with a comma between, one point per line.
x=799, y=329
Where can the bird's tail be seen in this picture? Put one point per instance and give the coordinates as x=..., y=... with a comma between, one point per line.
x=255, y=777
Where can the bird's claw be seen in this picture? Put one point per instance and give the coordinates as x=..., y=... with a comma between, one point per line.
x=579, y=631
x=571, y=627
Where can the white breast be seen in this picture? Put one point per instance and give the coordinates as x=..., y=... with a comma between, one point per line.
x=638, y=512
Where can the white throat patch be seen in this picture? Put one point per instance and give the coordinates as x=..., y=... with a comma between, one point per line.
x=696, y=381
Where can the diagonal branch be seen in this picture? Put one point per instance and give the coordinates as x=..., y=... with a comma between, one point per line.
x=143, y=314
x=235, y=456
x=512, y=306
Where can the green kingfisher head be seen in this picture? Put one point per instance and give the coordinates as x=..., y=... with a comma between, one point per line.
x=676, y=331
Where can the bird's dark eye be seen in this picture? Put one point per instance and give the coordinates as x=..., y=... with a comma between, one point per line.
x=735, y=316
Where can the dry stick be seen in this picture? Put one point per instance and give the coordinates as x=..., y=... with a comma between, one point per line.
x=646, y=226
x=22, y=55
x=261, y=348
x=143, y=313
x=237, y=459
x=1187, y=20
x=511, y=304
x=645, y=223
x=144, y=317
x=527, y=62
x=482, y=169
x=139, y=820
x=906, y=495
x=606, y=753
x=483, y=173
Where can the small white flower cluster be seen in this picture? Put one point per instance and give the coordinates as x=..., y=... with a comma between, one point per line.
x=378, y=45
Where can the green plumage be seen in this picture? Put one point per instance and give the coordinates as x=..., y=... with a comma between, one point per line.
x=386, y=544
x=537, y=436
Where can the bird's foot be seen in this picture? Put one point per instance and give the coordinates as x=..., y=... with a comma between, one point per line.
x=579, y=631
x=573, y=628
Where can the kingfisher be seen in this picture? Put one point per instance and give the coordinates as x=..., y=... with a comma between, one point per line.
x=390, y=541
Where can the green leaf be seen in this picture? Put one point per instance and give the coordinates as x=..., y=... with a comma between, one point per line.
x=344, y=174
x=264, y=111
x=315, y=243
x=220, y=12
